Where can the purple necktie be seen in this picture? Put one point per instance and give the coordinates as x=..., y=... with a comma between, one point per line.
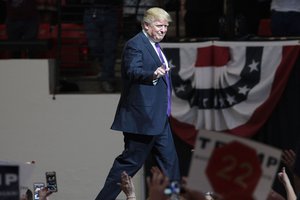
x=167, y=78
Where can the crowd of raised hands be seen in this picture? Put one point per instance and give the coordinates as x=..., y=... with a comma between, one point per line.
x=44, y=193
x=157, y=184
x=289, y=159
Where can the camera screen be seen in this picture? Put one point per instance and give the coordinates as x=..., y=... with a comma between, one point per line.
x=51, y=181
x=36, y=188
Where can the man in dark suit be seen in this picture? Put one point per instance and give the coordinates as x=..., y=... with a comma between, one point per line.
x=144, y=107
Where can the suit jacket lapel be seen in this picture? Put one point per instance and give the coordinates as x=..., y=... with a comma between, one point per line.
x=151, y=49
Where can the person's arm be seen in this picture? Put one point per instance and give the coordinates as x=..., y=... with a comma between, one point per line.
x=182, y=8
x=127, y=186
x=44, y=193
x=297, y=184
x=188, y=193
x=273, y=195
x=288, y=158
x=283, y=177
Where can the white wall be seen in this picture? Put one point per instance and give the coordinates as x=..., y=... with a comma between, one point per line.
x=70, y=135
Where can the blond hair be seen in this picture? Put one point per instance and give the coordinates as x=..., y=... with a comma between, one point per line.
x=154, y=14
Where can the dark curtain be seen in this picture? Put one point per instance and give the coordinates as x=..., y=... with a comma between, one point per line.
x=283, y=127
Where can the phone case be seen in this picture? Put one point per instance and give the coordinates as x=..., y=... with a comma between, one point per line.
x=51, y=181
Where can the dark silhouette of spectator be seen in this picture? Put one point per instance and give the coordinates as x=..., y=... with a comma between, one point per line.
x=101, y=20
x=47, y=11
x=2, y=12
x=201, y=17
x=242, y=18
x=72, y=11
x=285, y=17
x=22, y=23
x=247, y=17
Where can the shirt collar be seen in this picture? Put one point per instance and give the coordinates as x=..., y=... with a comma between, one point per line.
x=151, y=41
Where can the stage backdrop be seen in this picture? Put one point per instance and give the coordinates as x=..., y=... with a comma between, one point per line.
x=249, y=89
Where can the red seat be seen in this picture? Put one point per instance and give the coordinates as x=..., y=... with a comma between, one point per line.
x=73, y=45
x=4, y=54
x=72, y=31
x=44, y=31
x=264, y=28
x=3, y=35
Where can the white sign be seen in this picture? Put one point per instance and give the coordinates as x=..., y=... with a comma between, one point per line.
x=24, y=173
x=9, y=182
x=207, y=141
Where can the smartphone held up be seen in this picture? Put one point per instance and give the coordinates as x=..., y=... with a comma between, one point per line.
x=36, y=188
x=51, y=182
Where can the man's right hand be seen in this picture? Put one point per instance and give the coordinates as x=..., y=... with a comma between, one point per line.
x=160, y=71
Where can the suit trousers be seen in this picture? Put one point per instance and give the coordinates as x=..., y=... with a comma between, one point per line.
x=136, y=150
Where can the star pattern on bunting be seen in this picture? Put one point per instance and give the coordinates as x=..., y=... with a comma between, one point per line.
x=253, y=66
x=243, y=90
x=180, y=88
x=225, y=95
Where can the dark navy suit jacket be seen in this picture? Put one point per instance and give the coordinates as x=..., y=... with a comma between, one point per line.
x=143, y=105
